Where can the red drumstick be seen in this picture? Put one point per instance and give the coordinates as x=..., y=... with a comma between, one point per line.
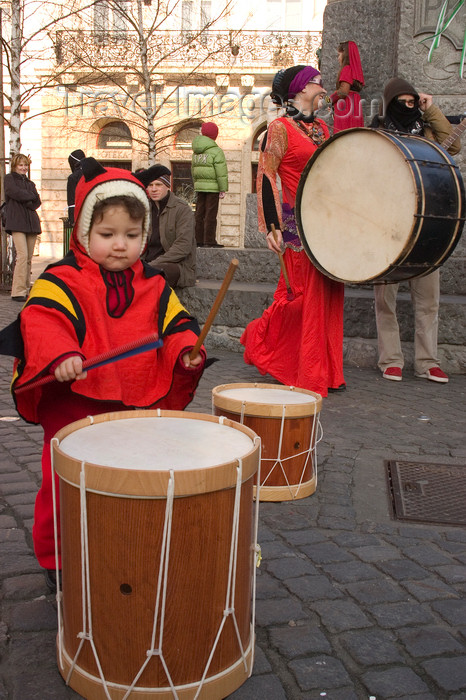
x=136, y=347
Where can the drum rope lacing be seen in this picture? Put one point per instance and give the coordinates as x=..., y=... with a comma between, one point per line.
x=311, y=451
x=86, y=633
x=231, y=587
x=229, y=610
x=59, y=594
x=161, y=596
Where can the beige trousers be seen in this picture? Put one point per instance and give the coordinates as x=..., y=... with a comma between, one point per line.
x=24, y=246
x=425, y=294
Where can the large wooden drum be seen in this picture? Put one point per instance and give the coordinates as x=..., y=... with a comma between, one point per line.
x=287, y=420
x=373, y=206
x=158, y=537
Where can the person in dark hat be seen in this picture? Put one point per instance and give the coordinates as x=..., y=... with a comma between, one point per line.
x=171, y=246
x=299, y=341
x=407, y=111
x=74, y=159
x=210, y=176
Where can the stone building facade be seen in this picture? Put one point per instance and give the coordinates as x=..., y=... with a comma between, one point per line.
x=205, y=65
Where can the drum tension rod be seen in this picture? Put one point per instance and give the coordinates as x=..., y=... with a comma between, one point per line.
x=427, y=217
x=435, y=163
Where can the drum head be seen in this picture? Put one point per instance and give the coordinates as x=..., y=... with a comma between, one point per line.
x=266, y=400
x=155, y=444
x=137, y=453
x=278, y=396
x=355, y=205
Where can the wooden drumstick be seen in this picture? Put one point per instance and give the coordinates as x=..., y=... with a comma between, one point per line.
x=215, y=307
x=289, y=291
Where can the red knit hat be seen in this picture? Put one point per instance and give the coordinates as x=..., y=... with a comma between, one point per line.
x=100, y=183
x=209, y=129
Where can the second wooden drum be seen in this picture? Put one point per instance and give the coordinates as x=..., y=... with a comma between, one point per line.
x=287, y=421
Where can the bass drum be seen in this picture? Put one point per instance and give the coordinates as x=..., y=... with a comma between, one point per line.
x=373, y=206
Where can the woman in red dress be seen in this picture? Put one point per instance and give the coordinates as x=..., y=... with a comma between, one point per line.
x=298, y=342
x=346, y=99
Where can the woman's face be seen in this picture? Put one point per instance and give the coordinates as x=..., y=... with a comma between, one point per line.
x=312, y=93
x=340, y=58
x=22, y=167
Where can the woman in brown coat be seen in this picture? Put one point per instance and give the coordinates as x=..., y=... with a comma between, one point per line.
x=22, y=222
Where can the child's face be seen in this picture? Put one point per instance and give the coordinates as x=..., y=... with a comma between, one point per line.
x=115, y=241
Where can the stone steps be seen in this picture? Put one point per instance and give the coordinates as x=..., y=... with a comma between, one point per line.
x=452, y=278
x=252, y=288
x=255, y=265
x=261, y=265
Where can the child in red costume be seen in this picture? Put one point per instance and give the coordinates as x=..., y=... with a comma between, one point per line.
x=100, y=296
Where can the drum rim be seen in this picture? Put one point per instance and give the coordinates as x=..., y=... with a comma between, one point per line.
x=394, y=272
x=228, y=680
x=135, y=483
x=265, y=410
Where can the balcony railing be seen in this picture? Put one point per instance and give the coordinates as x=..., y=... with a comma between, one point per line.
x=207, y=50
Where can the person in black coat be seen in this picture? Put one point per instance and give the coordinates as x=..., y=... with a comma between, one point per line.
x=22, y=222
x=74, y=159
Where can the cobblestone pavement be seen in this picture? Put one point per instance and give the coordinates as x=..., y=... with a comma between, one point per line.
x=350, y=603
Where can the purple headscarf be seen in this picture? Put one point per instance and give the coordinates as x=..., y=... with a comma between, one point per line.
x=300, y=80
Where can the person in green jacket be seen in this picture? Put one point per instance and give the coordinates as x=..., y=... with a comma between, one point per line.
x=210, y=176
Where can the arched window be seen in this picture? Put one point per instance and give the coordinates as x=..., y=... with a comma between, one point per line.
x=183, y=185
x=185, y=134
x=114, y=135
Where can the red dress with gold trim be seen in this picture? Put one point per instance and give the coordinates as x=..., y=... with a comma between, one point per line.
x=298, y=342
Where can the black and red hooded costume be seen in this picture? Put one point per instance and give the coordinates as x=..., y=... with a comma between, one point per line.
x=78, y=308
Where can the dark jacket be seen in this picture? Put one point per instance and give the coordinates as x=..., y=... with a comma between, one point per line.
x=74, y=159
x=71, y=184
x=21, y=200
x=176, y=228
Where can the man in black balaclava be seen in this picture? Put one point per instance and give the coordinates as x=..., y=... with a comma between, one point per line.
x=406, y=111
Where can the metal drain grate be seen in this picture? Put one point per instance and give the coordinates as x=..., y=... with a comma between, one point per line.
x=427, y=493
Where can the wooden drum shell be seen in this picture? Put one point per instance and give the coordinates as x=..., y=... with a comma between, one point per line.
x=125, y=545
x=299, y=433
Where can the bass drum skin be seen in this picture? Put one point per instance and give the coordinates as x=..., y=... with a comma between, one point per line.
x=373, y=206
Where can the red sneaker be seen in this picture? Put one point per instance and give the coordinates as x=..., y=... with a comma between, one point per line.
x=435, y=374
x=393, y=373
